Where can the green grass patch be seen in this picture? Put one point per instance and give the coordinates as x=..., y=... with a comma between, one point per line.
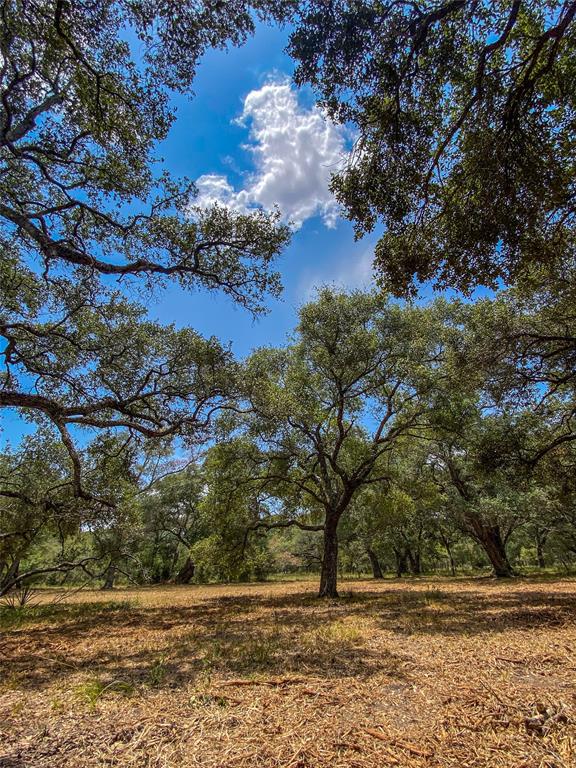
x=94, y=689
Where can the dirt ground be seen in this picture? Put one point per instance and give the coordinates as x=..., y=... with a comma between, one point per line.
x=425, y=673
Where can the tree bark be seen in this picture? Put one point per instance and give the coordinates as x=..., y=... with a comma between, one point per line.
x=401, y=562
x=451, y=561
x=186, y=573
x=491, y=541
x=11, y=574
x=329, y=572
x=110, y=577
x=415, y=563
x=444, y=540
x=374, y=562
x=540, y=541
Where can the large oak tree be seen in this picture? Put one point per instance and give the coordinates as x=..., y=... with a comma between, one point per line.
x=325, y=412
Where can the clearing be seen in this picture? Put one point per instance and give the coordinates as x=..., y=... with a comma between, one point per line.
x=423, y=673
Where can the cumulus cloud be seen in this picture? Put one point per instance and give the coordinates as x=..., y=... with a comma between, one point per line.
x=295, y=151
x=213, y=188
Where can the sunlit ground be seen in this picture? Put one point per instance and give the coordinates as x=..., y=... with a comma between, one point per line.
x=420, y=673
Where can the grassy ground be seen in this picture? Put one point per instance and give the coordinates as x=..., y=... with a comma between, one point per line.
x=422, y=673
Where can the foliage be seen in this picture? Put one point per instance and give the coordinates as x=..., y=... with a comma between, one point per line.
x=323, y=414
x=464, y=115
x=89, y=225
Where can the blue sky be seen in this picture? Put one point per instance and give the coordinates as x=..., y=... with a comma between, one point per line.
x=249, y=138
x=207, y=140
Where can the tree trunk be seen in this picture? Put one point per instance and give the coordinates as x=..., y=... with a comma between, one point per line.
x=172, y=566
x=491, y=541
x=541, y=537
x=540, y=554
x=11, y=574
x=329, y=572
x=185, y=574
x=110, y=577
x=401, y=562
x=447, y=546
x=374, y=562
x=415, y=564
x=451, y=560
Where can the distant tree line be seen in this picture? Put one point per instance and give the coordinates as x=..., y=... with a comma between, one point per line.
x=385, y=435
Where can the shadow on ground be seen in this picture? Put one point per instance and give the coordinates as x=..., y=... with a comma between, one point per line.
x=254, y=635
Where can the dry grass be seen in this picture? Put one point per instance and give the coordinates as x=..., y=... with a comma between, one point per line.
x=418, y=674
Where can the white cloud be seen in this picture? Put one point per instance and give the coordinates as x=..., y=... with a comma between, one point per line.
x=213, y=188
x=295, y=152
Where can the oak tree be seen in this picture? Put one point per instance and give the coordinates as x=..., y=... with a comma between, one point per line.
x=324, y=412
x=90, y=224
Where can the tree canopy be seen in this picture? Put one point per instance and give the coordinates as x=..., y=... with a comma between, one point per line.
x=464, y=117
x=89, y=222
x=324, y=413
x=382, y=432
